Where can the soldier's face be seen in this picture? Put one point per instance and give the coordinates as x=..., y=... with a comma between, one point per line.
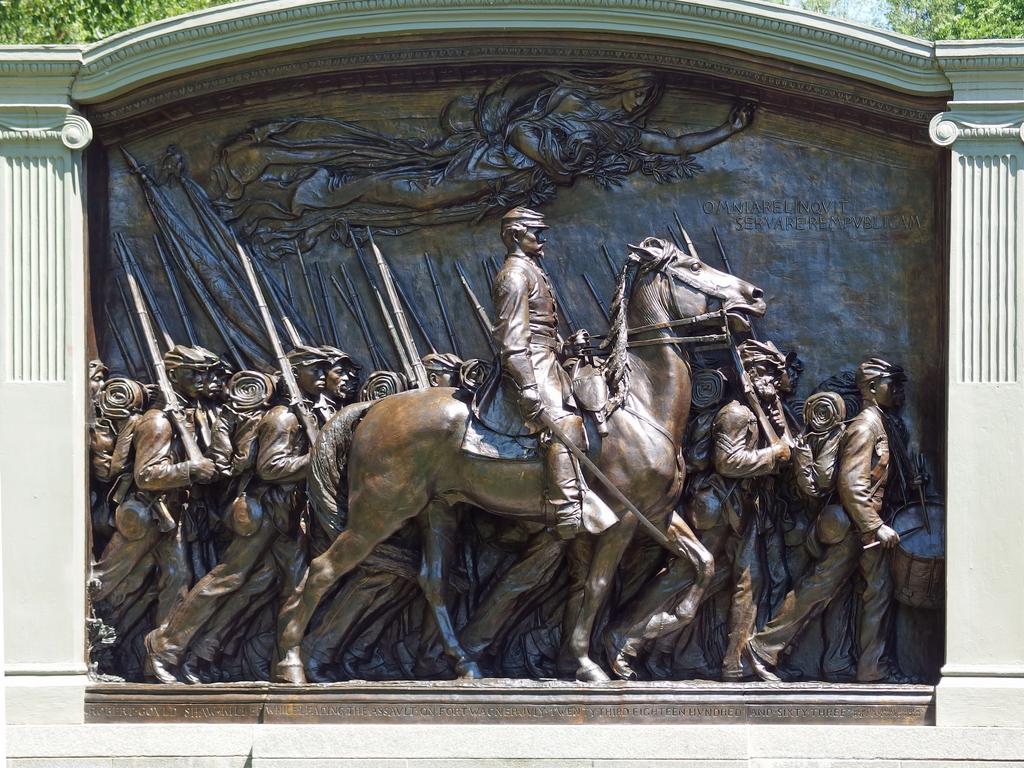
x=440, y=378
x=312, y=379
x=189, y=382
x=888, y=393
x=532, y=242
x=342, y=382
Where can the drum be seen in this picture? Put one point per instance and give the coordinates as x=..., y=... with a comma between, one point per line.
x=919, y=561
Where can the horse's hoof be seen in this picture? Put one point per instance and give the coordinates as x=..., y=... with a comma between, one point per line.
x=468, y=670
x=589, y=672
x=289, y=669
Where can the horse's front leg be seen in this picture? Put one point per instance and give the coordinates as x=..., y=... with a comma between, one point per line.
x=438, y=524
x=607, y=553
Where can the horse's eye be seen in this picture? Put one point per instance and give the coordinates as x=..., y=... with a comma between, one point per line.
x=695, y=266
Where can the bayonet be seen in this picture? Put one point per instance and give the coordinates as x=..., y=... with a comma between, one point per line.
x=382, y=307
x=130, y=265
x=409, y=307
x=356, y=307
x=611, y=263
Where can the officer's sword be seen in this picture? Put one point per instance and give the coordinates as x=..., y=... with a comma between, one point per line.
x=649, y=528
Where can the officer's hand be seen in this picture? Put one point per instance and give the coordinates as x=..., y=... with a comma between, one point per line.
x=887, y=536
x=202, y=470
x=529, y=402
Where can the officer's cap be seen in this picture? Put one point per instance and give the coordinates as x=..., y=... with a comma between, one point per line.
x=196, y=357
x=523, y=217
x=876, y=368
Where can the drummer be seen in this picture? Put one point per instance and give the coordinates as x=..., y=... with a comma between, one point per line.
x=863, y=469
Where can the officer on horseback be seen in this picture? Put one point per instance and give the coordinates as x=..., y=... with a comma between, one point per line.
x=529, y=379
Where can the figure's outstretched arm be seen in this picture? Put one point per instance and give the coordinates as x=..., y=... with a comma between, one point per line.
x=692, y=143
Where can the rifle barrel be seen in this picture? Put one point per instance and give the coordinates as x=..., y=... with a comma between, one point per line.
x=410, y=308
x=444, y=308
x=130, y=263
x=312, y=299
x=376, y=353
x=611, y=262
x=179, y=300
x=481, y=313
x=382, y=307
x=327, y=304
x=304, y=414
x=593, y=292
x=419, y=373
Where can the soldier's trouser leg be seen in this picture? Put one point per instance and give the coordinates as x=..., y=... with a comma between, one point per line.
x=233, y=612
x=840, y=659
x=135, y=537
x=578, y=555
x=170, y=641
x=875, y=612
x=747, y=581
x=173, y=574
x=564, y=492
x=810, y=596
x=349, y=606
x=535, y=567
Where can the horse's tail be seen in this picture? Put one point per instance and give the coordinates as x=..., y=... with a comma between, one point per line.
x=327, y=485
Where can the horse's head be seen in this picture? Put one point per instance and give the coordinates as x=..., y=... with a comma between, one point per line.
x=678, y=285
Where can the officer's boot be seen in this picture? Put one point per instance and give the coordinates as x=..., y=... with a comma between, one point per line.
x=563, y=496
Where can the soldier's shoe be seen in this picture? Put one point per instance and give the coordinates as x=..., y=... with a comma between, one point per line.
x=156, y=667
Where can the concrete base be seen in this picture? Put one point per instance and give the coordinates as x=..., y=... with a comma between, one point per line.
x=483, y=746
x=976, y=701
x=57, y=699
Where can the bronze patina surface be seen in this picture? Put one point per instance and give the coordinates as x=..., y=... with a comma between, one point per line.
x=586, y=358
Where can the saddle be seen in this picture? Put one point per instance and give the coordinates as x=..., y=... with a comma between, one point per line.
x=590, y=390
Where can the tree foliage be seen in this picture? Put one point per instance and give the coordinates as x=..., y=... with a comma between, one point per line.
x=83, y=21
x=957, y=19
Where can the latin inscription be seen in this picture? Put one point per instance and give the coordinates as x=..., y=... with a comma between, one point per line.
x=806, y=215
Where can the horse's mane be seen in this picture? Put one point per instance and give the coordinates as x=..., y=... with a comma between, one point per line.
x=617, y=369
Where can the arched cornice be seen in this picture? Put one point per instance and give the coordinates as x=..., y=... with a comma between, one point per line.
x=243, y=30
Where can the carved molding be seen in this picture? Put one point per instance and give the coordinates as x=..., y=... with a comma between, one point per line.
x=213, y=36
x=949, y=127
x=47, y=124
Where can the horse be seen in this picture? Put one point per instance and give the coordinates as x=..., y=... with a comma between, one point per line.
x=404, y=458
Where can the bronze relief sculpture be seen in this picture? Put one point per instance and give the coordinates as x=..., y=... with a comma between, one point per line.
x=280, y=511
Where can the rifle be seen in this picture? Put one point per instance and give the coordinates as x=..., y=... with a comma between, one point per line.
x=289, y=328
x=488, y=275
x=287, y=283
x=128, y=312
x=131, y=266
x=312, y=299
x=409, y=306
x=570, y=319
x=129, y=362
x=171, y=406
x=330, y=315
x=611, y=263
x=296, y=399
x=403, y=359
x=179, y=301
x=419, y=372
x=481, y=313
x=356, y=308
x=444, y=308
x=593, y=292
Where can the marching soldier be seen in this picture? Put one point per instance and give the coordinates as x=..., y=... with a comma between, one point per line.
x=740, y=453
x=530, y=378
x=863, y=472
x=266, y=522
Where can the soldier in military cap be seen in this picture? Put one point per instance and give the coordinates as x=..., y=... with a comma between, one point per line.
x=341, y=385
x=529, y=378
x=265, y=522
x=861, y=479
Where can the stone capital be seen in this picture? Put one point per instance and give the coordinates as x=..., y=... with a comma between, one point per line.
x=29, y=123
x=1003, y=121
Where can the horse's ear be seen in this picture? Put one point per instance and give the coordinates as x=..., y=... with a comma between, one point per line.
x=644, y=252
